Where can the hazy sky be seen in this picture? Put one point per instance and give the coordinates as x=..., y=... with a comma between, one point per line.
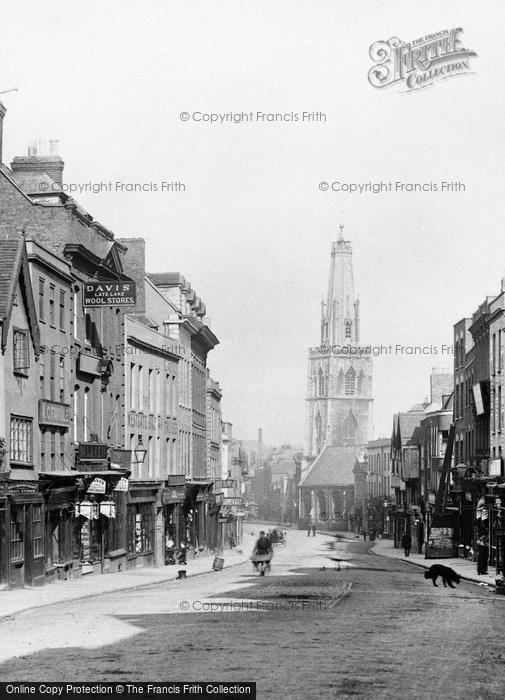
x=252, y=231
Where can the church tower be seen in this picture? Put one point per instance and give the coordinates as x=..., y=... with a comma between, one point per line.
x=339, y=398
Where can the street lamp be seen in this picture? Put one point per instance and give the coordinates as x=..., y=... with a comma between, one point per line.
x=140, y=452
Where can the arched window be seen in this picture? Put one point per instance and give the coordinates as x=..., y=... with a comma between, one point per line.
x=320, y=379
x=350, y=381
x=348, y=330
x=349, y=429
x=319, y=433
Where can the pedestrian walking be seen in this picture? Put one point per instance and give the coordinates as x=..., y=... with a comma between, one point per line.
x=407, y=543
x=313, y=529
x=482, y=556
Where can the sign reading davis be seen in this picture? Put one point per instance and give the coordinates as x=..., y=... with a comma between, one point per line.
x=54, y=413
x=109, y=294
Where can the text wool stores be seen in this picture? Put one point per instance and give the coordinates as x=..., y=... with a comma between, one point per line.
x=109, y=294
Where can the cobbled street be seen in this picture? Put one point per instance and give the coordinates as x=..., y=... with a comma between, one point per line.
x=331, y=620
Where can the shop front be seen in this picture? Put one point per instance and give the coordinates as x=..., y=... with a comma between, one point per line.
x=25, y=537
x=60, y=495
x=4, y=541
x=142, y=536
x=195, y=513
x=172, y=499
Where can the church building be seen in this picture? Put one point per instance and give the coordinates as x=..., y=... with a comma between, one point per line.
x=339, y=400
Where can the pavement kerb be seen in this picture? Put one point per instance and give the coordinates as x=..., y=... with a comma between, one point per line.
x=134, y=587
x=421, y=565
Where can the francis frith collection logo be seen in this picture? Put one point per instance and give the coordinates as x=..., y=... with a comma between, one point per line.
x=421, y=62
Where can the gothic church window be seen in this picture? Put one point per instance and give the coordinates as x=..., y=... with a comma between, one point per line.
x=348, y=330
x=350, y=382
x=349, y=429
x=319, y=433
x=322, y=383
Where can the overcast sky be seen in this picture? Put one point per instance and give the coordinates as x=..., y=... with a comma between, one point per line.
x=252, y=231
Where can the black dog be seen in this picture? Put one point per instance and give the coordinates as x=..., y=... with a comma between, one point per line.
x=449, y=576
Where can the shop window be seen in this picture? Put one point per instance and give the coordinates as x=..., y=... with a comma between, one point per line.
x=21, y=440
x=21, y=351
x=17, y=534
x=37, y=530
x=140, y=528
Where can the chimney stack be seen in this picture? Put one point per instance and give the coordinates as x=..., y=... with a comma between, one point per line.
x=42, y=159
x=3, y=110
x=134, y=265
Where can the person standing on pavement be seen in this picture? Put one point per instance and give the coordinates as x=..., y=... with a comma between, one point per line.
x=482, y=556
x=407, y=543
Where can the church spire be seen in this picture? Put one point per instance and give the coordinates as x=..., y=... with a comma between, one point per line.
x=340, y=313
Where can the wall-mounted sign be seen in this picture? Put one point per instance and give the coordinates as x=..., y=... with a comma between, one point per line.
x=92, y=450
x=233, y=501
x=176, y=479
x=122, y=484
x=218, y=498
x=494, y=467
x=22, y=487
x=172, y=494
x=97, y=486
x=477, y=396
x=109, y=293
x=54, y=413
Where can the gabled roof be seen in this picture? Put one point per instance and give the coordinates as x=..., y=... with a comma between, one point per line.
x=166, y=278
x=14, y=267
x=332, y=467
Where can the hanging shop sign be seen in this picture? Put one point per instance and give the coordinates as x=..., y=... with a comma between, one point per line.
x=120, y=459
x=109, y=293
x=97, y=486
x=226, y=483
x=218, y=499
x=54, y=413
x=122, y=484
